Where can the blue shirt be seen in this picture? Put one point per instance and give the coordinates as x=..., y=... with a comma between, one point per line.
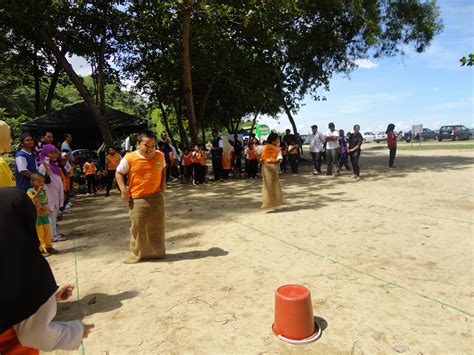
x=23, y=182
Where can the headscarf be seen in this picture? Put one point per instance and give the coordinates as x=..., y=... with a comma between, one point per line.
x=25, y=276
x=227, y=147
x=5, y=137
x=48, y=148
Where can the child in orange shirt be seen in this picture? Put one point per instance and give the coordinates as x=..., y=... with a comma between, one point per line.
x=199, y=164
x=146, y=171
x=293, y=151
x=89, y=170
x=271, y=157
x=187, y=163
x=252, y=160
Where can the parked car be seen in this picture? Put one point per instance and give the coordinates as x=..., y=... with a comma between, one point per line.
x=454, y=132
x=79, y=156
x=427, y=134
x=368, y=137
x=380, y=137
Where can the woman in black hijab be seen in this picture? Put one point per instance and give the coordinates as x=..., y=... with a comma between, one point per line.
x=29, y=291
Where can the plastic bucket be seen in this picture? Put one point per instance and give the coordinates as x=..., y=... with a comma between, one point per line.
x=294, y=320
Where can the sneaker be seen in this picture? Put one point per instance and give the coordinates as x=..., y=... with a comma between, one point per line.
x=52, y=250
x=60, y=238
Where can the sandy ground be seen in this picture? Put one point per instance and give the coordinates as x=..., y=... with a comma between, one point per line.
x=389, y=261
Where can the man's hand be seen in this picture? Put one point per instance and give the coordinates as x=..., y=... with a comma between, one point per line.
x=64, y=292
x=125, y=196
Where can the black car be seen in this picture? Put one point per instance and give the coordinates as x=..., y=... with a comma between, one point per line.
x=427, y=134
x=454, y=132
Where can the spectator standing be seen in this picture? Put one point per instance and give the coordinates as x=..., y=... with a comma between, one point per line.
x=25, y=162
x=112, y=160
x=46, y=137
x=66, y=147
x=355, y=143
x=332, y=150
x=316, y=147
x=216, y=155
x=392, y=144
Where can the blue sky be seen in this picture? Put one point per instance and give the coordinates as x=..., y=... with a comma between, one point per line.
x=429, y=88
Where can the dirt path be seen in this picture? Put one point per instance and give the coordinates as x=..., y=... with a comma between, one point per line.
x=388, y=261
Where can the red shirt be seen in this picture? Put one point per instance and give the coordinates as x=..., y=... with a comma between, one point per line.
x=391, y=140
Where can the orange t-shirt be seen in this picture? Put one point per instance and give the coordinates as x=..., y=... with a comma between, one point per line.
x=225, y=163
x=188, y=159
x=89, y=169
x=113, y=161
x=200, y=157
x=144, y=174
x=9, y=344
x=251, y=153
x=269, y=153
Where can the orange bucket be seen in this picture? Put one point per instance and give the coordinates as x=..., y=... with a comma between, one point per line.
x=294, y=321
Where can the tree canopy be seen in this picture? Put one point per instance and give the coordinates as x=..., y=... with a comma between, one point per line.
x=199, y=64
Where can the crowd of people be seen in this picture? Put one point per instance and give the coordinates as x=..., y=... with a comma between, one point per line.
x=45, y=182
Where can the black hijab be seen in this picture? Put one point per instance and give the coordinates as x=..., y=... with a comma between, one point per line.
x=26, y=280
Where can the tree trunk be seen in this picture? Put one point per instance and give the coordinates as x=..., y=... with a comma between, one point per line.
x=288, y=112
x=164, y=115
x=188, y=88
x=52, y=88
x=206, y=98
x=36, y=76
x=203, y=133
x=101, y=122
x=101, y=65
x=179, y=120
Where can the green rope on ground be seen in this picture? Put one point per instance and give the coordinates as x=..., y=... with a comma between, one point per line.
x=359, y=271
x=77, y=277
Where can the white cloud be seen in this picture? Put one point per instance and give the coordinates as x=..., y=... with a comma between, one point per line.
x=365, y=64
x=449, y=105
x=358, y=103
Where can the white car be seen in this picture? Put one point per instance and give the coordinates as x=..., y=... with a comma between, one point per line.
x=368, y=137
x=380, y=137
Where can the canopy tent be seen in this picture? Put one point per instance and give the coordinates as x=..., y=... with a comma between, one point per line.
x=79, y=121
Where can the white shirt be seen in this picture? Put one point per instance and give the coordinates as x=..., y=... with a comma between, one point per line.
x=21, y=163
x=317, y=141
x=123, y=166
x=66, y=146
x=39, y=332
x=332, y=144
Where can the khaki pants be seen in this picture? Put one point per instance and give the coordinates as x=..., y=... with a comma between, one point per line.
x=148, y=228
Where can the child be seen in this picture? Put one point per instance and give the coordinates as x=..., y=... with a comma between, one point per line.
x=252, y=160
x=199, y=164
x=343, y=161
x=146, y=171
x=112, y=160
x=89, y=170
x=283, y=149
x=55, y=189
x=293, y=151
x=226, y=158
x=187, y=163
x=40, y=200
x=271, y=157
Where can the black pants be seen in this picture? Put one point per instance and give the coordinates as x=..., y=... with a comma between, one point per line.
x=393, y=153
x=343, y=161
x=217, y=167
x=174, y=171
x=283, y=164
x=199, y=172
x=238, y=164
x=355, y=162
x=294, y=163
x=252, y=168
x=317, y=160
x=110, y=179
x=188, y=172
x=91, y=183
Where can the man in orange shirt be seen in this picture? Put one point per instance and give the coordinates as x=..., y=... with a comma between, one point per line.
x=146, y=170
x=112, y=160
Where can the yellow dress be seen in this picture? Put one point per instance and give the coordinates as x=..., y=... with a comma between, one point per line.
x=6, y=175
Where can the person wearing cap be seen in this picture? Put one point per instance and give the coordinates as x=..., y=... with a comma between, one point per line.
x=217, y=147
x=332, y=147
x=316, y=146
